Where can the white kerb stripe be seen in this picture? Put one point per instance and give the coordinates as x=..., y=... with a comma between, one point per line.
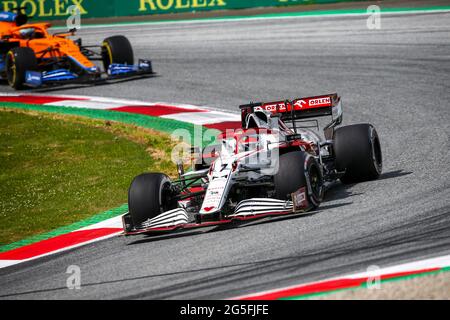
x=115, y=222
x=201, y=118
x=85, y=104
x=7, y=263
x=439, y=262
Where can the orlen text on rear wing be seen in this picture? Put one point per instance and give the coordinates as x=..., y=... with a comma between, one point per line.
x=301, y=108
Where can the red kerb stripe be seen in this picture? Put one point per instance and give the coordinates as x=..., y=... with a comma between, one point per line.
x=330, y=285
x=223, y=126
x=35, y=99
x=56, y=243
x=155, y=110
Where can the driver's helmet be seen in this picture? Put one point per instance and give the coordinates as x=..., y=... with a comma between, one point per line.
x=258, y=119
x=27, y=33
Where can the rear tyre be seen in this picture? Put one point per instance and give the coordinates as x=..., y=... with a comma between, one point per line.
x=148, y=196
x=117, y=49
x=18, y=62
x=358, y=152
x=296, y=170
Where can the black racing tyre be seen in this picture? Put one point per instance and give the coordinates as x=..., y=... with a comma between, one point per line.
x=18, y=61
x=148, y=196
x=298, y=169
x=358, y=152
x=117, y=49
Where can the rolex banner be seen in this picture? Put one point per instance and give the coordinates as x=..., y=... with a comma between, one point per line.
x=62, y=9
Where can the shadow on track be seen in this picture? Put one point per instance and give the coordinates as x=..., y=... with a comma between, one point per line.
x=394, y=174
x=159, y=237
x=340, y=191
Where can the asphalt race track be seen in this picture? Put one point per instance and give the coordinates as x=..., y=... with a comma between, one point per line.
x=397, y=78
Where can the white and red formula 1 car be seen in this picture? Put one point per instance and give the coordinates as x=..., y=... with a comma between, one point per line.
x=279, y=163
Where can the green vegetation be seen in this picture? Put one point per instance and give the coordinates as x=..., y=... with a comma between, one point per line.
x=56, y=170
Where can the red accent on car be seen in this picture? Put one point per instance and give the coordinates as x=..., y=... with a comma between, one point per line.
x=300, y=104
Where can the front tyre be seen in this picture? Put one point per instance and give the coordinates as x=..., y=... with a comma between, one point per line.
x=148, y=196
x=358, y=152
x=296, y=170
x=18, y=61
x=117, y=49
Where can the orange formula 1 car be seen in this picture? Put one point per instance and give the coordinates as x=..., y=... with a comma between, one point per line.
x=31, y=56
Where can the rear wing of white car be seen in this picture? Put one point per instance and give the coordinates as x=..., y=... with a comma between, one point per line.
x=299, y=109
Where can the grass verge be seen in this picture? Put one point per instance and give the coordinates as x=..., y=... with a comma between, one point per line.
x=58, y=169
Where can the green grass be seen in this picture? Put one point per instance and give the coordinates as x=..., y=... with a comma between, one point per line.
x=56, y=170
